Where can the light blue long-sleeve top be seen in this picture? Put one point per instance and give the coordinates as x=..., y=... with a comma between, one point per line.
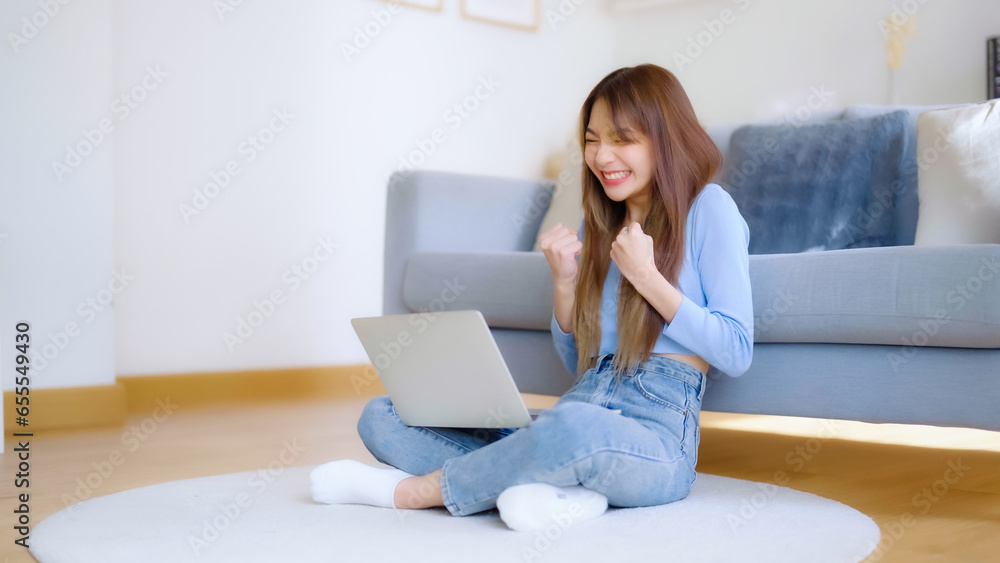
x=715, y=318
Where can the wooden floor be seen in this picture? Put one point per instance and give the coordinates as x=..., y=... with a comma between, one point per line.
x=954, y=513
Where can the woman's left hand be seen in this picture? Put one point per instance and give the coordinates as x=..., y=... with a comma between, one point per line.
x=632, y=251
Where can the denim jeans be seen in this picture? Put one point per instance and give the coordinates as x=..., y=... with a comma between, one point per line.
x=644, y=456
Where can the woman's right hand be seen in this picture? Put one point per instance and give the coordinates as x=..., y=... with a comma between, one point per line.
x=561, y=247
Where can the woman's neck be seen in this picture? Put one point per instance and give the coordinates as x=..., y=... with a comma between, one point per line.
x=629, y=221
x=634, y=216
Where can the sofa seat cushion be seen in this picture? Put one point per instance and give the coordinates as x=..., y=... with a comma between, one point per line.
x=896, y=295
x=946, y=296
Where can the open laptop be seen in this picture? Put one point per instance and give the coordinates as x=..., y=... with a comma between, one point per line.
x=443, y=369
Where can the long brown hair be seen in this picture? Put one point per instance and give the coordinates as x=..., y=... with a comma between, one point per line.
x=649, y=99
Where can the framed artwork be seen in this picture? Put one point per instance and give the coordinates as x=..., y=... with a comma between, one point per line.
x=518, y=14
x=627, y=6
x=429, y=5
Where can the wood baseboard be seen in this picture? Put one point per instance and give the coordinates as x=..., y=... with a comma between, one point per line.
x=215, y=388
x=69, y=407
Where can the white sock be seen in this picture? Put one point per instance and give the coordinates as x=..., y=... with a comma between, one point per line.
x=534, y=506
x=346, y=481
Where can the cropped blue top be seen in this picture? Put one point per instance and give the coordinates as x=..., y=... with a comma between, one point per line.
x=715, y=318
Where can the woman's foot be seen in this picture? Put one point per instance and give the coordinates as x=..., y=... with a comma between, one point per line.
x=419, y=492
x=535, y=506
x=347, y=481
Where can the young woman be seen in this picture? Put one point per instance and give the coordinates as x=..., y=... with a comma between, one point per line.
x=663, y=255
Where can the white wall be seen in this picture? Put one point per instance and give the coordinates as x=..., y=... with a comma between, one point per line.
x=56, y=236
x=212, y=81
x=766, y=61
x=324, y=175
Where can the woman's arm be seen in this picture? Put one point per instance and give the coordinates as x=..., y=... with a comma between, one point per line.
x=564, y=302
x=564, y=341
x=661, y=295
x=563, y=305
x=721, y=332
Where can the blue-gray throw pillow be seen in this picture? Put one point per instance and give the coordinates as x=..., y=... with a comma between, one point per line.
x=822, y=186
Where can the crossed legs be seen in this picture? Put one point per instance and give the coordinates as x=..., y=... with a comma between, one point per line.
x=577, y=447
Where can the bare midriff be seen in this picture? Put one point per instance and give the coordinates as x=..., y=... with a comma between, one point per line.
x=690, y=359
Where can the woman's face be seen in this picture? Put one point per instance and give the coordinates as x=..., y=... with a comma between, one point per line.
x=625, y=168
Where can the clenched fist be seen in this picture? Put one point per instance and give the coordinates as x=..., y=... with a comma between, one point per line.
x=561, y=247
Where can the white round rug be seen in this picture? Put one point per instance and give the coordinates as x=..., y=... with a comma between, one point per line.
x=254, y=516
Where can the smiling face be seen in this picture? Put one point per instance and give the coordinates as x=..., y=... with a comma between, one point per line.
x=624, y=166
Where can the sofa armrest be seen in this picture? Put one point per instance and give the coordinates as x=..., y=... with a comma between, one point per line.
x=450, y=212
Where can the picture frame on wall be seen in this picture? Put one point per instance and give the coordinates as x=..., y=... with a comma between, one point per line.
x=429, y=5
x=525, y=15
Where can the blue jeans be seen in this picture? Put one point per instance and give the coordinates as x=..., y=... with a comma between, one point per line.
x=644, y=456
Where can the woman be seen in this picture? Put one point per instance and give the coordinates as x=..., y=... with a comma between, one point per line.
x=662, y=252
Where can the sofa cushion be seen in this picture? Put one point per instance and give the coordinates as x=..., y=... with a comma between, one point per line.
x=820, y=187
x=945, y=296
x=860, y=111
x=907, y=202
x=721, y=132
x=959, y=157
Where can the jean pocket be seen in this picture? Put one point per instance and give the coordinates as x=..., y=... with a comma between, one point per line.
x=664, y=390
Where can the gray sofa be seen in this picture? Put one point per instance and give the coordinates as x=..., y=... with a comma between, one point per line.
x=907, y=334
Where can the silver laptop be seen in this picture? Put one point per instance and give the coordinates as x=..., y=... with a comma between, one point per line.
x=443, y=369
